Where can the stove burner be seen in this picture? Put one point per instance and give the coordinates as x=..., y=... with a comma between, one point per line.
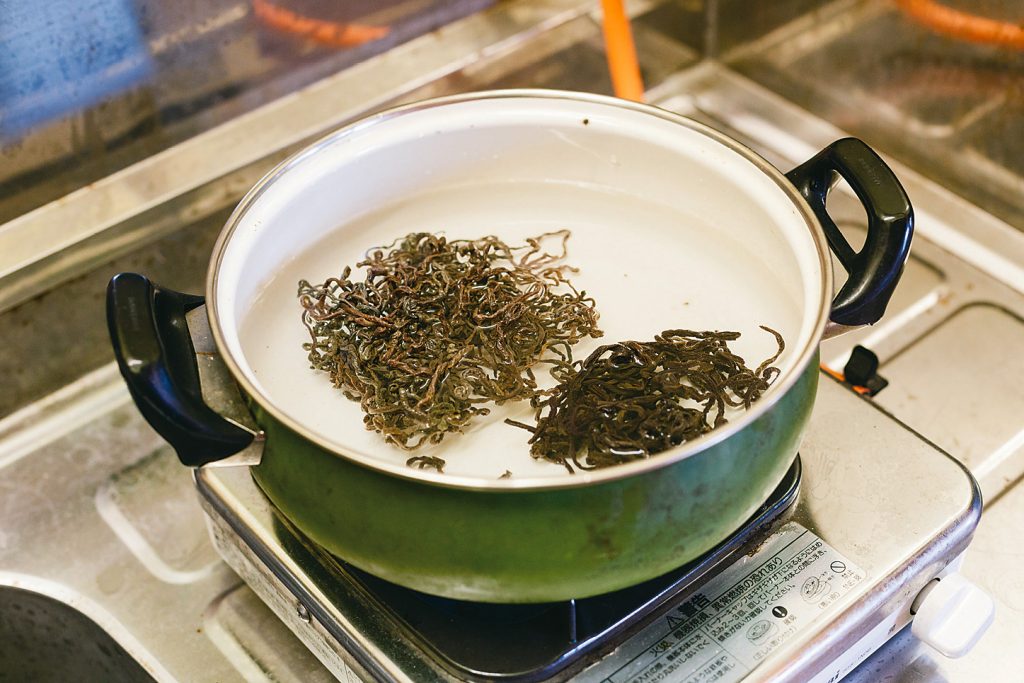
x=361, y=627
x=481, y=641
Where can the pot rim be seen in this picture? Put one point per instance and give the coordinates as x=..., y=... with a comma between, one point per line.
x=584, y=477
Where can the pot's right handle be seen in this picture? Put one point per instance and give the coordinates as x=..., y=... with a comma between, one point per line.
x=156, y=358
x=875, y=270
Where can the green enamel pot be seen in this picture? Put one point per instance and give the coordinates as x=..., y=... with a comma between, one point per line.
x=674, y=225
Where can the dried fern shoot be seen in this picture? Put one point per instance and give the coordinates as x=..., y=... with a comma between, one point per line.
x=439, y=328
x=630, y=400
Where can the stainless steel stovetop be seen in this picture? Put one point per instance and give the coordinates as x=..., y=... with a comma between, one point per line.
x=435, y=637
x=881, y=513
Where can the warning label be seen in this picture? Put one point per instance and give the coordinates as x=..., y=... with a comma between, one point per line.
x=737, y=619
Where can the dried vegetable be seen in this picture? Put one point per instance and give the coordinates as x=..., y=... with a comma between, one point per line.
x=439, y=328
x=630, y=400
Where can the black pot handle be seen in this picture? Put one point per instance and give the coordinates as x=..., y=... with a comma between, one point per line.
x=875, y=270
x=155, y=354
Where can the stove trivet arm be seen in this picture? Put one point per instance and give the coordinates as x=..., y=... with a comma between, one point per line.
x=158, y=362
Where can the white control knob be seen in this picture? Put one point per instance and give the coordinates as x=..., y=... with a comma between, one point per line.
x=951, y=614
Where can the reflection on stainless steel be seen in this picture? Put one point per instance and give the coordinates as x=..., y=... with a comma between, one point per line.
x=91, y=87
x=146, y=212
x=77, y=65
x=949, y=108
x=211, y=170
x=99, y=517
x=37, y=358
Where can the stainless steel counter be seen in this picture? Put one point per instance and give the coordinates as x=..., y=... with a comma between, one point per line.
x=96, y=514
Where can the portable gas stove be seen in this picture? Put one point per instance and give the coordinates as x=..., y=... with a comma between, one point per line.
x=835, y=563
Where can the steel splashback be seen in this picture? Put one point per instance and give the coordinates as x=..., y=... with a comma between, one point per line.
x=91, y=88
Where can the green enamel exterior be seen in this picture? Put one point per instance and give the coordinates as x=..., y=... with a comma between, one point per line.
x=533, y=546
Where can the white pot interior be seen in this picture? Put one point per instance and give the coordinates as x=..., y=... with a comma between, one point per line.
x=671, y=228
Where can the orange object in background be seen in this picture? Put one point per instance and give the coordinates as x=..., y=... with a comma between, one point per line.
x=962, y=25
x=621, y=52
x=333, y=33
x=835, y=374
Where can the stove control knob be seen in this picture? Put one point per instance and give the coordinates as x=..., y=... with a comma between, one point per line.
x=951, y=614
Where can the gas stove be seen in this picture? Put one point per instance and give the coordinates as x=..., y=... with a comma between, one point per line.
x=822, y=575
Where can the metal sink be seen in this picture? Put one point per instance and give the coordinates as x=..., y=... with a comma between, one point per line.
x=42, y=639
x=106, y=569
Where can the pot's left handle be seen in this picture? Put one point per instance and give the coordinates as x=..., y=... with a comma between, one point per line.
x=156, y=357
